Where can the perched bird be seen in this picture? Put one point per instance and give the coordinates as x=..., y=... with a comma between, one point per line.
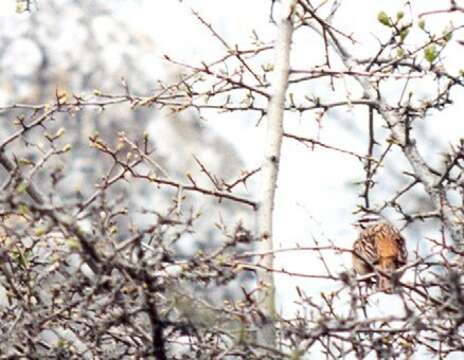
x=379, y=246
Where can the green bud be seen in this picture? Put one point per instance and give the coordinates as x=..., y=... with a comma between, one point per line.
x=21, y=188
x=40, y=230
x=430, y=53
x=383, y=18
x=403, y=34
x=447, y=35
x=422, y=24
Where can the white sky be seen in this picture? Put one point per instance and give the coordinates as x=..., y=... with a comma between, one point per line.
x=7, y=7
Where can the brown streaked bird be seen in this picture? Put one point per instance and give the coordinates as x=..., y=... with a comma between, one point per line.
x=379, y=246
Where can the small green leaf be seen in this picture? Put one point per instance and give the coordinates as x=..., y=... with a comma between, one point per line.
x=25, y=162
x=403, y=34
x=21, y=188
x=447, y=35
x=383, y=18
x=73, y=243
x=23, y=209
x=430, y=53
x=40, y=230
x=399, y=15
x=21, y=7
x=422, y=24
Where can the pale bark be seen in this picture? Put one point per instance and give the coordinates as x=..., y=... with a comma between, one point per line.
x=270, y=170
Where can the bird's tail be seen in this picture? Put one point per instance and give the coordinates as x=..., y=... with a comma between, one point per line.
x=385, y=283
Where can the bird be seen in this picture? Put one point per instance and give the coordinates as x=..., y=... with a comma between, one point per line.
x=379, y=246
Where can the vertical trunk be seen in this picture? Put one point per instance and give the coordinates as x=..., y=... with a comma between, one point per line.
x=270, y=169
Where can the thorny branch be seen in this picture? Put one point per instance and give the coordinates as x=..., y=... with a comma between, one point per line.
x=83, y=264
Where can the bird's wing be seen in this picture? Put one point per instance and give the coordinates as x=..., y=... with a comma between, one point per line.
x=366, y=246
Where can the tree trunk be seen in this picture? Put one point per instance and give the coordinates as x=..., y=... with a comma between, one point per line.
x=269, y=173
